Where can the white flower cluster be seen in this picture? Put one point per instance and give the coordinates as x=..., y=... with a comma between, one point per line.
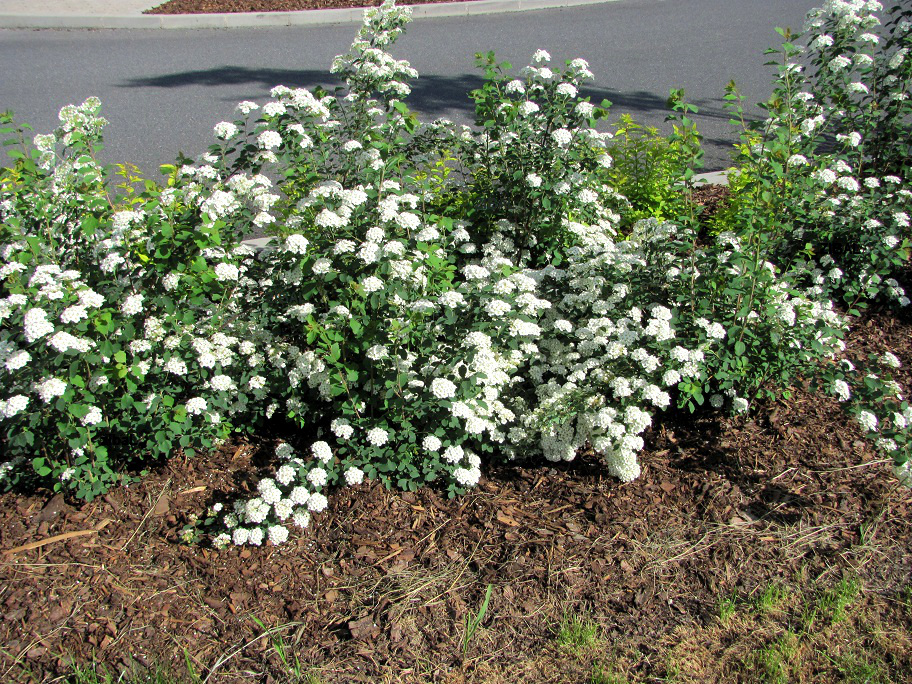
x=288, y=499
x=426, y=334
x=616, y=363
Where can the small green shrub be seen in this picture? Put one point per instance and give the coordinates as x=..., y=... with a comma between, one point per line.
x=653, y=171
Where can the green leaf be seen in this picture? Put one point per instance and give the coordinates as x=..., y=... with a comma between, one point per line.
x=78, y=410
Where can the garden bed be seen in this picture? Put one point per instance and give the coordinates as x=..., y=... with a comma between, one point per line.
x=220, y=6
x=380, y=588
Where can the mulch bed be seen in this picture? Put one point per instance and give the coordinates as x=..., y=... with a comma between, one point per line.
x=382, y=582
x=219, y=6
x=711, y=198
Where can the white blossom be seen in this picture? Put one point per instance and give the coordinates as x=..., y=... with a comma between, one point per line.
x=269, y=140
x=354, y=476
x=867, y=420
x=321, y=451
x=442, y=388
x=50, y=388
x=377, y=436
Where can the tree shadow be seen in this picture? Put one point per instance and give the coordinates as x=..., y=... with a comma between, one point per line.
x=228, y=75
x=448, y=97
x=430, y=94
x=699, y=445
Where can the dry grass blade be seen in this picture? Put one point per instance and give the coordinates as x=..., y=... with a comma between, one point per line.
x=228, y=656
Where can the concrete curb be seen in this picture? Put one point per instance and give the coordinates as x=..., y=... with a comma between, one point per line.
x=251, y=20
x=712, y=178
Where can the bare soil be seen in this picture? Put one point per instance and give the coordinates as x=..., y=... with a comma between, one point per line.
x=220, y=6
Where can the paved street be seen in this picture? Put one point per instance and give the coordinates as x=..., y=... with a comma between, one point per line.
x=163, y=90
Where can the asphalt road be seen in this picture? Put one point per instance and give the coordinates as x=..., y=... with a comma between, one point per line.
x=164, y=90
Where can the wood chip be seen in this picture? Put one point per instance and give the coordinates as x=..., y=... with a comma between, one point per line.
x=364, y=629
x=507, y=520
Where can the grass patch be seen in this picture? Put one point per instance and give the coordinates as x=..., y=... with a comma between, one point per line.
x=99, y=674
x=770, y=598
x=775, y=663
x=830, y=607
x=857, y=668
x=602, y=675
x=726, y=608
x=578, y=633
x=906, y=599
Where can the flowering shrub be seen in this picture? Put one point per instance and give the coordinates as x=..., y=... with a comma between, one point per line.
x=823, y=177
x=436, y=318
x=434, y=295
x=821, y=186
x=877, y=403
x=117, y=329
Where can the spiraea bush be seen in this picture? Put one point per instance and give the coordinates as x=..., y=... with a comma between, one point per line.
x=435, y=296
x=824, y=177
x=822, y=183
x=115, y=338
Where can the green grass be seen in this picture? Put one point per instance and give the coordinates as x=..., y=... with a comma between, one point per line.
x=905, y=599
x=473, y=620
x=834, y=602
x=289, y=669
x=602, y=676
x=830, y=607
x=726, y=607
x=578, y=633
x=775, y=663
x=292, y=665
x=857, y=668
x=99, y=674
x=770, y=598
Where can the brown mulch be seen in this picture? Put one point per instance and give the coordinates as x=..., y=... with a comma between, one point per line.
x=711, y=198
x=219, y=6
x=378, y=589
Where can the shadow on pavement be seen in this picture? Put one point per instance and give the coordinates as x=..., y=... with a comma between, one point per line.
x=448, y=96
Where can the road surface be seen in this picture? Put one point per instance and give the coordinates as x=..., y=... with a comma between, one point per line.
x=164, y=90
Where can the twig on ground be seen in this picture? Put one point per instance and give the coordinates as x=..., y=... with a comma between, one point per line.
x=50, y=540
x=860, y=465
